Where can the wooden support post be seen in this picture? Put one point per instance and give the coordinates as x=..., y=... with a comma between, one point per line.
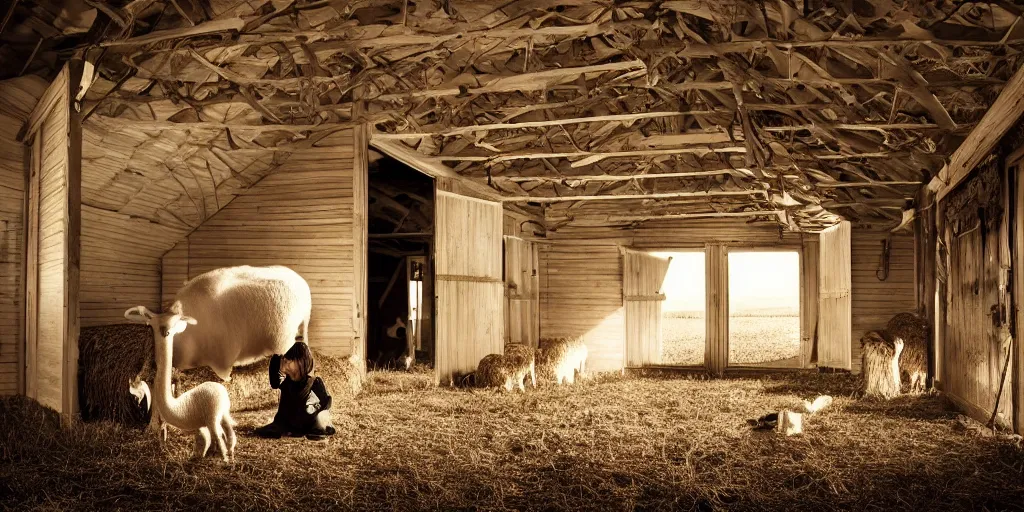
x=360, y=227
x=73, y=254
x=716, y=347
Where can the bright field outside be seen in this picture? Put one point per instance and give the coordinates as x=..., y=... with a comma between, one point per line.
x=764, y=316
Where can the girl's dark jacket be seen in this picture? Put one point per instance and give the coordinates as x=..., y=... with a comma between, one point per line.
x=301, y=400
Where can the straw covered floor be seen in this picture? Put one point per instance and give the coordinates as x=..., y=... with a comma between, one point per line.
x=609, y=443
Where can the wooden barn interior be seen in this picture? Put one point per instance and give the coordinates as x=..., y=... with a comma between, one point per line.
x=517, y=163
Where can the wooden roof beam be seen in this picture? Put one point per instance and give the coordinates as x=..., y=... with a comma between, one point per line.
x=431, y=166
x=999, y=118
x=535, y=81
x=657, y=195
x=629, y=177
x=589, y=157
x=464, y=130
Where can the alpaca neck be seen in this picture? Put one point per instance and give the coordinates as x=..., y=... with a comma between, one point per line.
x=162, y=396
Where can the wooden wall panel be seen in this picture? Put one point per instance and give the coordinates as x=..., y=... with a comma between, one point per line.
x=300, y=216
x=875, y=301
x=17, y=99
x=581, y=295
x=54, y=215
x=522, y=292
x=643, y=276
x=121, y=264
x=809, y=263
x=468, y=272
x=834, y=301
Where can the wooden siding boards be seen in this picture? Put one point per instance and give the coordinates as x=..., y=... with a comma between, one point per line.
x=581, y=295
x=643, y=276
x=683, y=234
x=834, y=299
x=522, y=292
x=470, y=303
x=875, y=302
x=18, y=97
x=300, y=216
x=54, y=213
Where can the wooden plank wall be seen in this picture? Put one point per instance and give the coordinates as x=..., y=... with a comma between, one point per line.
x=300, y=216
x=18, y=97
x=121, y=264
x=643, y=277
x=581, y=295
x=55, y=315
x=875, y=301
x=470, y=303
x=809, y=263
x=835, y=303
x=522, y=292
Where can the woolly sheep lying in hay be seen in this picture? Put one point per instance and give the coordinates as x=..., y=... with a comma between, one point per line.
x=881, y=355
x=559, y=359
x=508, y=370
x=913, y=330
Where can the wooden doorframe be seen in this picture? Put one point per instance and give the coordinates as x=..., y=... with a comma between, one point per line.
x=1016, y=174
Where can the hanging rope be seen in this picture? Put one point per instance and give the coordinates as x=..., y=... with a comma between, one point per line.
x=882, y=272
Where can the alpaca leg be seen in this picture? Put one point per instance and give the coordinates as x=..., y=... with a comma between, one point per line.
x=202, y=442
x=219, y=433
x=533, y=375
x=571, y=376
x=229, y=434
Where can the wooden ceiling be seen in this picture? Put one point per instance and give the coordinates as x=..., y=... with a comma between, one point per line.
x=590, y=112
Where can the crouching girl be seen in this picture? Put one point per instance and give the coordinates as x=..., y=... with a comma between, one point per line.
x=305, y=405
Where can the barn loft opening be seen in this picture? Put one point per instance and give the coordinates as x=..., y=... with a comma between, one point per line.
x=400, y=270
x=683, y=329
x=764, y=309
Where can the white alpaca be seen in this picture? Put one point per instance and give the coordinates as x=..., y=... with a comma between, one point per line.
x=205, y=409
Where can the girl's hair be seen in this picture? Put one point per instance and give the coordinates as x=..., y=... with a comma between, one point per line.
x=301, y=354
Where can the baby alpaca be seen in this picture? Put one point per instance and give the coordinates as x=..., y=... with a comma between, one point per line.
x=205, y=409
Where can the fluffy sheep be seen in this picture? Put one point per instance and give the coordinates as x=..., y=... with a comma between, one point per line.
x=560, y=359
x=523, y=361
x=507, y=371
x=205, y=409
x=913, y=330
x=881, y=353
x=244, y=314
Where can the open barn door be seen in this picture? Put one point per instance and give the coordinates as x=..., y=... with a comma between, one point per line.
x=522, y=292
x=835, y=308
x=53, y=225
x=470, y=303
x=643, y=276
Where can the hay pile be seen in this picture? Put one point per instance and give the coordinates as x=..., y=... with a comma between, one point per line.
x=109, y=358
x=558, y=359
x=880, y=356
x=250, y=389
x=913, y=330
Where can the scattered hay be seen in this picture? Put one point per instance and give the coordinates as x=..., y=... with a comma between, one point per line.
x=615, y=443
x=250, y=389
x=880, y=353
x=559, y=359
x=110, y=357
x=913, y=330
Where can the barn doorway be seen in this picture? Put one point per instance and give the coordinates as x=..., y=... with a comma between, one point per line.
x=764, y=309
x=400, y=277
x=683, y=329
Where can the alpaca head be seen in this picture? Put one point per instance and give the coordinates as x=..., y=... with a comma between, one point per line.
x=165, y=325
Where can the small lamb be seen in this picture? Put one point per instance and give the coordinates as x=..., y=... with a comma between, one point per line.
x=507, y=371
x=205, y=409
